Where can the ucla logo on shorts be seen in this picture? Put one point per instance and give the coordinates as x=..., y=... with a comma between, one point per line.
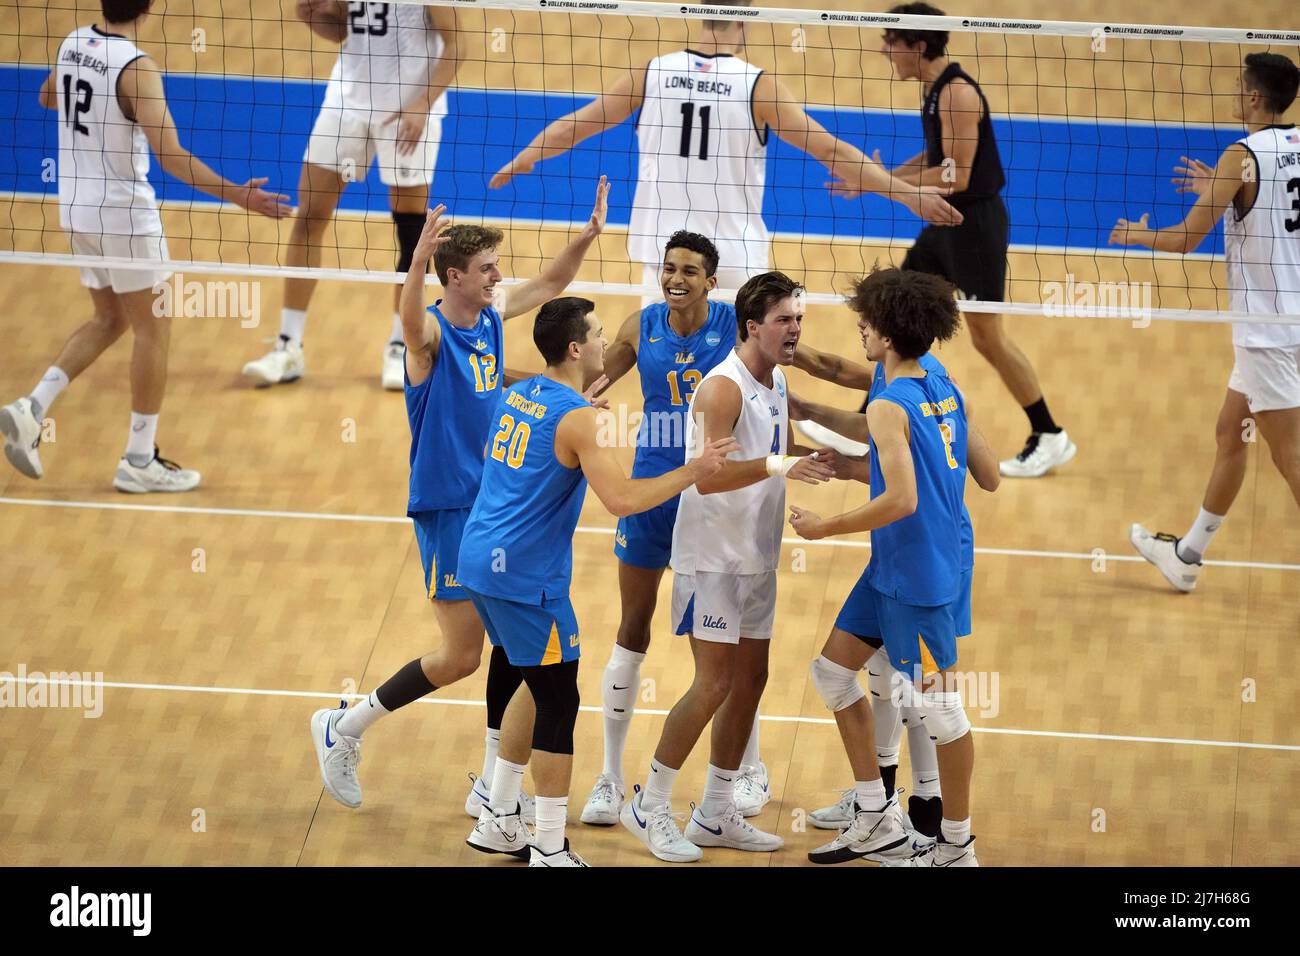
x=573, y=640
x=449, y=581
x=712, y=339
x=715, y=622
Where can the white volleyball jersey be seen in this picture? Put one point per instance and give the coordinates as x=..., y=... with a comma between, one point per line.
x=103, y=155
x=737, y=532
x=1262, y=248
x=386, y=58
x=703, y=164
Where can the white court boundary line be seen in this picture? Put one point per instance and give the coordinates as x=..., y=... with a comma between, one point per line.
x=393, y=519
x=453, y=702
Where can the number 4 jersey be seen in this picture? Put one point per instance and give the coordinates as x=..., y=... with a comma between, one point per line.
x=518, y=542
x=103, y=153
x=703, y=163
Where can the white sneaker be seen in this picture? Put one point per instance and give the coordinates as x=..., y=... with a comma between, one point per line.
x=877, y=835
x=394, y=375
x=22, y=431
x=480, y=796
x=565, y=857
x=751, y=791
x=730, y=829
x=838, y=816
x=658, y=831
x=1042, y=452
x=1162, y=550
x=603, y=805
x=945, y=854
x=159, y=475
x=501, y=834
x=337, y=755
x=284, y=363
x=819, y=436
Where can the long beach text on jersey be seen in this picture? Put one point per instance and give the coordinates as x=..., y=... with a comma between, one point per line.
x=679, y=82
x=87, y=62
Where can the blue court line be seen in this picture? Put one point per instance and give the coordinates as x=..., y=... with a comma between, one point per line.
x=1067, y=180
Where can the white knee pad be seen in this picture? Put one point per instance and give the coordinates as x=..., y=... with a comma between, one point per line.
x=838, y=686
x=945, y=716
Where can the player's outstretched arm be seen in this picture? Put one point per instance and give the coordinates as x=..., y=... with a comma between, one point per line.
x=140, y=89
x=328, y=19
x=49, y=97
x=842, y=421
x=888, y=423
x=420, y=331
x=980, y=460
x=620, y=357
x=556, y=277
x=1215, y=193
x=609, y=109
x=576, y=443
x=852, y=171
x=716, y=406
x=832, y=368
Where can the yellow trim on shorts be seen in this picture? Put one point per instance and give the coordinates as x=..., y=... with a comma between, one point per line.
x=553, y=654
x=928, y=664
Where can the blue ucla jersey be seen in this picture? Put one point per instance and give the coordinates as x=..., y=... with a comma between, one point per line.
x=671, y=368
x=918, y=560
x=935, y=367
x=451, y=411
x=518, y=542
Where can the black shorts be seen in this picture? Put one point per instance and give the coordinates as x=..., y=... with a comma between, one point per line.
x=972, y=256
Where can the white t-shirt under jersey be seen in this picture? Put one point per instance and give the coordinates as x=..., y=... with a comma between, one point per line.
x=1262, y=248
x=703, y=164
x=737, y=532
x=103, y=155
x=386, y=57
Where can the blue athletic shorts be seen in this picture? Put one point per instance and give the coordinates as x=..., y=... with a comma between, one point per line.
x=438, y=534
x=532, y=634
x=920, y=640
x=645, y=540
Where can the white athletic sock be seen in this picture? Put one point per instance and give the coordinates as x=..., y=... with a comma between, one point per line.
x=292, y=324
x=884, y=708
x=869, y=794
x=491, y=747
x=751, y=757
x=719, y=791
x=922, y=754
x=358, y=718
x=507, y=781
x=551, y=814
x=956, y=832
x=622, y=682
x=48, y=388
x=658, y=790
x=141, y=439
x=396, y=335
x=1193, y=545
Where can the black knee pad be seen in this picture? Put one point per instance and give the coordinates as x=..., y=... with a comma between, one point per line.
x=503, y=679
x=555, y=694
x=409, y=226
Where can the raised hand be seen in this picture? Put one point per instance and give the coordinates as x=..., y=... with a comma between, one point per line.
x=1128, y=233
x=593, y=388
x=516, y=167
x=432, y=235
x=1193, y=177
x=596, y=224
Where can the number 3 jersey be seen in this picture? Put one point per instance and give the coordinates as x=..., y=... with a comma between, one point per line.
x=450, y=413
x=703, y=164
x=737, y=532
x=671, y=368
x=518, y=542
x=103, y=154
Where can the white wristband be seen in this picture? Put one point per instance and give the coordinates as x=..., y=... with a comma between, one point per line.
x=778, y=466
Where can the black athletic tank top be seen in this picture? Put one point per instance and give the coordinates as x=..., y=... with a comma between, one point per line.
x=986, y=178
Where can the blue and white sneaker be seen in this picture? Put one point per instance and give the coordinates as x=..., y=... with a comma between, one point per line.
x=337, y=755
x=751, y=791
x=731, y=830
x=480, y=796
x=658, y=831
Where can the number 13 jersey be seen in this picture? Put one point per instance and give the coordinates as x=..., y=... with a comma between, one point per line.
x=703, y=163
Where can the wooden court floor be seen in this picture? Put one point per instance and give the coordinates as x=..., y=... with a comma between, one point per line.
x=229, y=615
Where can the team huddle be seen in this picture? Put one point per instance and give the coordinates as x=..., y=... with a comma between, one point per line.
x=500, y=460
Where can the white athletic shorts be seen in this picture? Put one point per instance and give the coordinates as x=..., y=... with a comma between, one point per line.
x=650, y=275
x=713, y=606
x=1268, y=377
x=149, y=246
x=346, y=140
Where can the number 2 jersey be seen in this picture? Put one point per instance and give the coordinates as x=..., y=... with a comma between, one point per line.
x=518, y=541
x=103, y=154
x=918, y=560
